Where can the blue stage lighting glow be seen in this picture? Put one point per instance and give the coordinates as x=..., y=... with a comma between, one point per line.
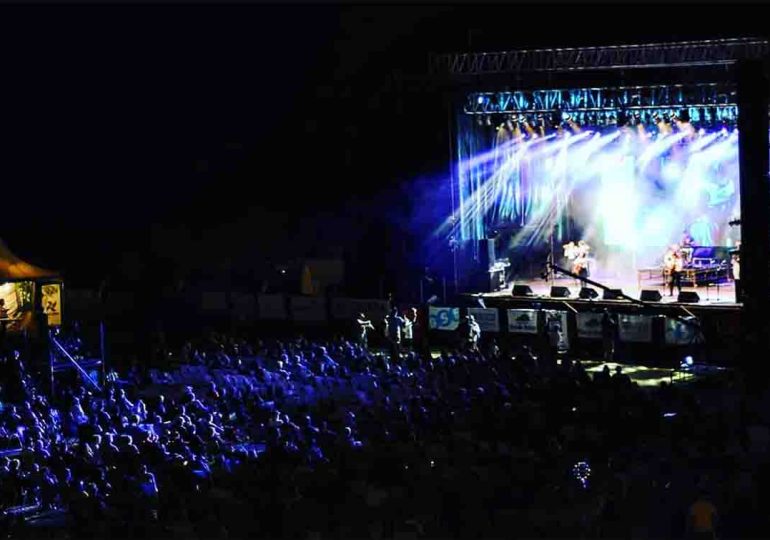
x=629, y=193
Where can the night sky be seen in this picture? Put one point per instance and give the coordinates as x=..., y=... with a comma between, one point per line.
x=198, y=137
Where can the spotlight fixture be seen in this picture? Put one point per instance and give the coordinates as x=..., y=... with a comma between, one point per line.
x=480, y=100
x=565, y=116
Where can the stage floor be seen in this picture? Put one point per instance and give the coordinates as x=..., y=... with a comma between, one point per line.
x=722, y=294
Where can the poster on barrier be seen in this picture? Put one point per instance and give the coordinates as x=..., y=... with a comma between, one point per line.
x=589, y=325
x=557, y=325
x=522, y=321
x=635, y=328
x=444, y=318
x=307, y=308
x=272, y=306
x=51, y=302
x=679, y=332
x=488, y=318
x=214, y=301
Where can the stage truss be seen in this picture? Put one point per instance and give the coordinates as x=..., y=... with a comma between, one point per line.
x=625, y=57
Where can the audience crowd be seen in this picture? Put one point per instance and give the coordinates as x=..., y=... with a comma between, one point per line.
x=301, y=439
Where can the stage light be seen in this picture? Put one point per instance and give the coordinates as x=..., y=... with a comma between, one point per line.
x=566, y=117
x=489, y=121
x=688, y=361
x=480, y=100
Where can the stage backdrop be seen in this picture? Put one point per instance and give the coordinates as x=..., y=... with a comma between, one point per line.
x=629, y=193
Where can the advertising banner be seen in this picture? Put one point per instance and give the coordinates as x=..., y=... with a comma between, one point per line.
x=522, y=321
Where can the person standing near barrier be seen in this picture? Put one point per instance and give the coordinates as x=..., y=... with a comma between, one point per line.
x=3, y=322
x=410, y=320
x=364, y=325
x=473, y=333
x=394, y=325
x=609, y=331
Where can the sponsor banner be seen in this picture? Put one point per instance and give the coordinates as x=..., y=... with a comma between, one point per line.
x=272, y=306
x=120, y=301
x=349, y=308
x=488, y=318
x=244, y=306
x=444, y=318
x=558, y=329
x=680, y=333
x=213, y=301
x=307, y=308
x=635, y=328
x=51, y=301
x=589, y=325
x=522, y=321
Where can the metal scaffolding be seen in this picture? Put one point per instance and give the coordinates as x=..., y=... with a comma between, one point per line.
x=656, y=55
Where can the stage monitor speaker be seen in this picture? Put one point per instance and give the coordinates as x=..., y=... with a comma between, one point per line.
x=612, y=294
x=650, y=295
x=587, y=293
x=688, y=297
x=522, y=290
x=560, y=292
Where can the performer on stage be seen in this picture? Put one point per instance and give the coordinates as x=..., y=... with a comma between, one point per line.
x=688, y=246
x=674, y=265
x=736, y=267
x=580, y=264
x=570, y=251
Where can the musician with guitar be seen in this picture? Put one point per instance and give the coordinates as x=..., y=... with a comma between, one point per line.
x=577, y=254
x=580, y=264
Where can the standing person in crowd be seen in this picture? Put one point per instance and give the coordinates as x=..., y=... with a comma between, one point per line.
x=473, y=334
x=609, y=331
x=3, y=321
x=364, y=325
x=410, y=319
x=555, y=334
x=394, y=326
x=701, y=519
